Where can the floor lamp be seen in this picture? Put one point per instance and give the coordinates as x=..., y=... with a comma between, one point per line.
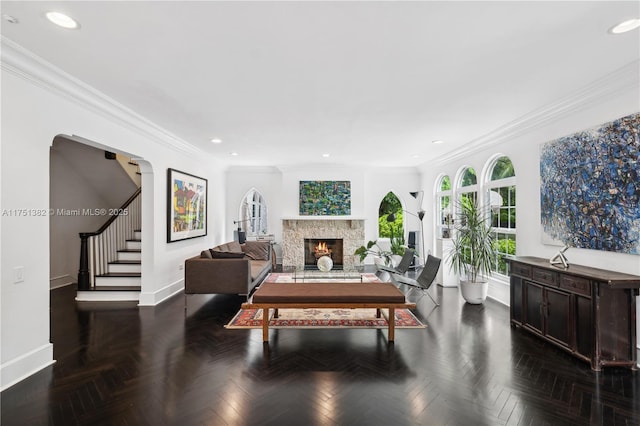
x=392, y=218
x=418, y=195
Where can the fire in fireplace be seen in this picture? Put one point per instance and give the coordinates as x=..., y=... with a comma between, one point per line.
x=315, y=248
x=321, y=249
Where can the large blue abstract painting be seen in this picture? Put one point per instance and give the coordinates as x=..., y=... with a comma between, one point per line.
x=325, y=197
x=590, y=188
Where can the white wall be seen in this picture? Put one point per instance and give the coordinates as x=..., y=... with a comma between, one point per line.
x=523, y=150
x=240, y=180
x=38, y=103
x=280, y=188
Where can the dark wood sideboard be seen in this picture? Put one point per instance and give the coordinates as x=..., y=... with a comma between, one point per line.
x=589, y=312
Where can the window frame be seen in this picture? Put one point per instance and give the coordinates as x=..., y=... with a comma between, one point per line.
x=253, y=215
x=444, y=220
x=509, y=232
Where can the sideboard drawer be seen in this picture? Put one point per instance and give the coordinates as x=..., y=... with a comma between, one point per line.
x=545, y=276
x=521, y=270
x=575, y=284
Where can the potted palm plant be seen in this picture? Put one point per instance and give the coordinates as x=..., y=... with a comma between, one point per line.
x=472, y=255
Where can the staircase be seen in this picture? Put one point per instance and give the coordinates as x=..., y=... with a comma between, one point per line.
x=122, y=279
x=123, y=273
x=111, y=258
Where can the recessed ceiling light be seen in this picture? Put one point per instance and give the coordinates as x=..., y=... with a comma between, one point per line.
x=326, y=155
x=625, y=26
x=437, y=141
x=234, y=154
x=216, y=140
x=62, y=20
x=415, y=156
x=10, y=19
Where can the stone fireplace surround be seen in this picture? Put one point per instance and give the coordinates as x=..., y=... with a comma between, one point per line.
x=294, y=231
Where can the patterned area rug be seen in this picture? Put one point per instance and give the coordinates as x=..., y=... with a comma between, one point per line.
x=324, y=318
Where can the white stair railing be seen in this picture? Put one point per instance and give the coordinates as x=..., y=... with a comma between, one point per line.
x=99, y=248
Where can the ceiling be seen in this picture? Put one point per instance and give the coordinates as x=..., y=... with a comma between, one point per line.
x=369, y=83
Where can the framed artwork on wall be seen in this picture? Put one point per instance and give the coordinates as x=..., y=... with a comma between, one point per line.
x=186, y=206
x=325, y=197
x=590, y=188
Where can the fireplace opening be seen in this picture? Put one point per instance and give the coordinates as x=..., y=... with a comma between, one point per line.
x=315, y=248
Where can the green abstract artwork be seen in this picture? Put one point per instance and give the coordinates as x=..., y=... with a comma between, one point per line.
x=325, y=197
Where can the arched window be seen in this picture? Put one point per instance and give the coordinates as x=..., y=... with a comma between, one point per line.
x=500, y=192
x=253, y=214
x=468, y=185
x=445, y=215
x=391, y=222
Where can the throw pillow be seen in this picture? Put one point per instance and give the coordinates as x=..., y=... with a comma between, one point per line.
x=257, y=250
x=227, y=255
x=206, y=254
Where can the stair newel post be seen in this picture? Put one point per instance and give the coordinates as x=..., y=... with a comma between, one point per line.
x=83, y=272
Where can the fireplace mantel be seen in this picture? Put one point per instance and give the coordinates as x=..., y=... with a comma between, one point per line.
x=296, y=229
x=323, y=218
x=349, y=221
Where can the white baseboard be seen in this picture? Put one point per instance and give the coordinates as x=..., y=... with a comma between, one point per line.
x=18, y=369
x=107, y=296
x=500, y=292
x=61, y=281
x=159, y=296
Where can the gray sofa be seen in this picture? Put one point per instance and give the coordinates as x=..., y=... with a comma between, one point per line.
x=230, y=268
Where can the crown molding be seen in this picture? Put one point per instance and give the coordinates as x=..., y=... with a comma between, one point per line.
x=23, y=63
x=611, y=85
x=344, y=168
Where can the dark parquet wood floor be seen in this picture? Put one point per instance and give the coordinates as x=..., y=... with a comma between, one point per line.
x=124, y=365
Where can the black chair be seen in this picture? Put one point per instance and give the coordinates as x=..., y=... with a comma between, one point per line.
x=402, y=267
x=424, y=280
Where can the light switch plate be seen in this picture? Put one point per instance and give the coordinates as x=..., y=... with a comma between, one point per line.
x=18, y=274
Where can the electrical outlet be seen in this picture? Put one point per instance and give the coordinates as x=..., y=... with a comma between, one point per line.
x=18, y=274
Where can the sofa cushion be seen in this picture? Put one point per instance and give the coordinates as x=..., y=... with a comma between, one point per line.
x=233, y=246
x=227, y=255
x=258, y=267
x=206, y=254
x=257, y=250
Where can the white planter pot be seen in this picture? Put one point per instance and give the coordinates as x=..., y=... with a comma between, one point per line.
x=395, y=260
x=378, y=261
x=474, y=293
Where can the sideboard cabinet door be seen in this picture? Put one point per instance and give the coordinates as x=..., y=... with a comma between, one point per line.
x=516, y=300
x=584, y=327
x=534, y=303
x=558, y=316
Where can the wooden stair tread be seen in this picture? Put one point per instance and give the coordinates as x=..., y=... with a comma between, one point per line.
x=125, y=262
x=129, y=251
